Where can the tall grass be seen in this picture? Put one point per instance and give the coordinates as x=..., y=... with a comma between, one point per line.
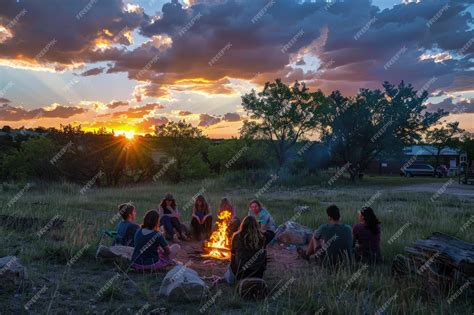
x=313, y=290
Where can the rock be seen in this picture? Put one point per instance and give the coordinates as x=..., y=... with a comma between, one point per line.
x=116, y=253
x=252, y=288
x=183, y=282
x=11, y=270
x=293, y=233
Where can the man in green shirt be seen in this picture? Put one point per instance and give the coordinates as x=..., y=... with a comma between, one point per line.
x=331, y=243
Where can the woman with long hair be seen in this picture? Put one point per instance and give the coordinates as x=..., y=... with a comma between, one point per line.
x=169, y=218
x=151, y=251
x=248, y=253
x=234, y=223
x=264, y=219
x=367, y=236
x=201, y=220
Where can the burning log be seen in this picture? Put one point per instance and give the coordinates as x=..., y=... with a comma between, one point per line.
x=218, y=245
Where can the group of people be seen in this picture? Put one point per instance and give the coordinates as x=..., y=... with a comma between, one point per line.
x=333, y=243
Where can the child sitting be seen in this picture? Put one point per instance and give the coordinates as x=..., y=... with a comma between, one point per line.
x=127, y=228
x=151, y=249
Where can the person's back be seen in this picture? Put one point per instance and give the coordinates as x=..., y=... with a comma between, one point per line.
x=147, y=243
x=126, y=233
x=247, y=262
x=337, y=246
x=367, y=236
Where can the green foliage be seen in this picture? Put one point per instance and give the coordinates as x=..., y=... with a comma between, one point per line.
x=282, y=115
x=185, y=147
x=31, y=161
x=359, y=129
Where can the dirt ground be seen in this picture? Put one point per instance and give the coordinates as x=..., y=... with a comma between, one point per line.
x=280, y=260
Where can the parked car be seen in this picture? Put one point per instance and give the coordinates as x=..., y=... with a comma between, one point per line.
x=419, y=170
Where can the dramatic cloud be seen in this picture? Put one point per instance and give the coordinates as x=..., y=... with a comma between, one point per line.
x=231, y=117
x=93, y=71
x=116, y=104
x=206, y=120
x=4, y=100
x=10, y=113
x=448, y=104
x=59, y=35
x=136, y=112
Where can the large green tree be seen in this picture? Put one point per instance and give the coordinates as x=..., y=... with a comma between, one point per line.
x=358, y=129
x=185, y=147
x=281, y=114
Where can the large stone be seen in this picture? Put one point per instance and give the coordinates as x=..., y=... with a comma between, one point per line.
x=11, y=270
x=252, y=288
x=116, y=253
x=293, y=233
x=181, y=283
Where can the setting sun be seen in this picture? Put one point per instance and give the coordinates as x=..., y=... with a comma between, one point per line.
x=130, y=134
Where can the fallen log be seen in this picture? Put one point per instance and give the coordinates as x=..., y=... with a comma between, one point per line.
x=443, y=262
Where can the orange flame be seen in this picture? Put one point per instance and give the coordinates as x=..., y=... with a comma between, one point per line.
x=218, y=245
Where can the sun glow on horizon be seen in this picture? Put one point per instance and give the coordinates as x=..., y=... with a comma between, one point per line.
x=129, y=134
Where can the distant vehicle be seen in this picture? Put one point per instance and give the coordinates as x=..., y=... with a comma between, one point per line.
x=419, y=170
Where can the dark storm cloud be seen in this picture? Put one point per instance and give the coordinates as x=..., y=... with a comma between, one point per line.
x=93, y=71
x=11, y=113
x=74, y=39
x=358, y=45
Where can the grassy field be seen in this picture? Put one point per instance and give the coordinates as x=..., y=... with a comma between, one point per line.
x=55, y=288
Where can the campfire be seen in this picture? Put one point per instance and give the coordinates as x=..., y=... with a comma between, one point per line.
x=218, y=245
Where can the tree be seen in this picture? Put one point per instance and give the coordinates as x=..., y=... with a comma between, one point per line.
x=184, y=146
x=359, y=129
x=444, y=137
x=281, y=115
x=31, y=161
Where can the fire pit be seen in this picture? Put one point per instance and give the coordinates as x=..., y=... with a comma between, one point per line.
x=218, y=245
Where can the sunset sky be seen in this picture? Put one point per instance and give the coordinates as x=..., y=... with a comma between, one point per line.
x=135, y=64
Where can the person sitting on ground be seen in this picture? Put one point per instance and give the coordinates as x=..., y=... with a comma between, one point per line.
x=201, y=221
x=234, y=222
x=126, y=229
x=331, y=243
x=151, y=251
x=169, y=218
x=264, y=218
x=366, y=236
x=248, y=253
